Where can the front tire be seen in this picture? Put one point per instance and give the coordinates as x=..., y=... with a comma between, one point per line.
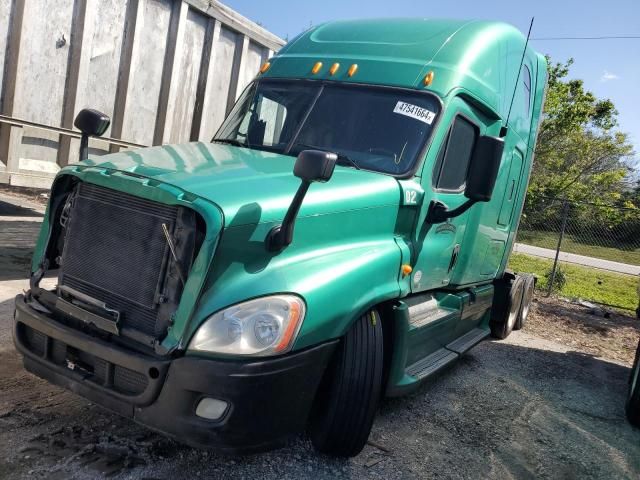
x=633, y=400
x=348, y=396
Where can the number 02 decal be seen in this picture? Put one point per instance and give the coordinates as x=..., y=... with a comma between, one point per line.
x=410, y=197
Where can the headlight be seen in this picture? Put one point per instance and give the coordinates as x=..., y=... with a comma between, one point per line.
x=264, y=326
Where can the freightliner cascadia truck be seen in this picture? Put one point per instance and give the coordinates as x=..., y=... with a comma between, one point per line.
x=344, y=236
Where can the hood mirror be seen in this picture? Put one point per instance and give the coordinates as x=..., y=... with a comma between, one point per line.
x=91, y=123
x=314, y=165
x=311, y=166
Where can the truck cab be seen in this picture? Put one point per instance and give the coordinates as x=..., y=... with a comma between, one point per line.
x=344, y=236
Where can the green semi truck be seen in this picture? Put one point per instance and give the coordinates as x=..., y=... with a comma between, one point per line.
x=343, y=237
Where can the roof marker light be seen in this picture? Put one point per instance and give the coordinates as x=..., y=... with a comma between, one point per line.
x=352, y=70
x=265, y=66
x=428, y=78
x=316, y=68
x=334, y=68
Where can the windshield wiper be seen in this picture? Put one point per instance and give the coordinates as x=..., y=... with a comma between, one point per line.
x=230, y=141
x=341, y=156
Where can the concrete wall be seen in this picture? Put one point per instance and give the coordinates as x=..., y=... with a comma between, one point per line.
x=99, y=90
x=5, y=11
x=163, y=70
x=220, y=81
x=39, y=96
x=187, y=77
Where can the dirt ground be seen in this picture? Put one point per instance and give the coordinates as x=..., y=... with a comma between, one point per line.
x=594, y=330
x=546, y=403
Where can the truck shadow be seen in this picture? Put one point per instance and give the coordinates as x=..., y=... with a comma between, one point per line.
x=11, y=210
x=252, y=254
x=19, y=228
x=15, y=262
x=522, y=412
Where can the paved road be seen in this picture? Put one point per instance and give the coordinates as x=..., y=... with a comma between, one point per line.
x=578, y=259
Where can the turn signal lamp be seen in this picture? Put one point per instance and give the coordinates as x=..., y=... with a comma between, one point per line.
x=316, y=68
x=428, y=78
x=265, y=66
x=352, y=70
x=334, y=68
x=406, y=270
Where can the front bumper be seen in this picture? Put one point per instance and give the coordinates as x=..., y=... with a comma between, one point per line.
x=269, y=400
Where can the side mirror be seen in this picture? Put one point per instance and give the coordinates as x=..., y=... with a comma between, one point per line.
x=481, y=179
x=483, y=169
x=311, y=166
x=91, y=123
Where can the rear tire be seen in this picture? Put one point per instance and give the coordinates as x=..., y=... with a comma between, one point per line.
x=633, y=400
x=527, y=297
x=348, y=396
x=506, y=306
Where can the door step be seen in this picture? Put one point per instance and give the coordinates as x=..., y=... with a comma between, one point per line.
x=468, y=340
x=430, y=364
x=424, y=310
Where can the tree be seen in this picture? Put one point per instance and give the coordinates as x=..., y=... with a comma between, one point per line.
x=580, y=155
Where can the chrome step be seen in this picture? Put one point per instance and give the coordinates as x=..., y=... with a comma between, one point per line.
x=424, y=310
x=430, y=364
x=468, y=340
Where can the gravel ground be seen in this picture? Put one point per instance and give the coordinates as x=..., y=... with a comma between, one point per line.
x=527, y=407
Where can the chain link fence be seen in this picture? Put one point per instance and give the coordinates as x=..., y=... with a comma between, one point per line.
x=581, y=250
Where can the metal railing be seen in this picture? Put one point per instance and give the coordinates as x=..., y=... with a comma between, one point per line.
x=65, y=131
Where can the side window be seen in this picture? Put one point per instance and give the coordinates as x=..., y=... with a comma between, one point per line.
x=450, y=171
x=272, y=115
x=262, y=123
x=526, y=80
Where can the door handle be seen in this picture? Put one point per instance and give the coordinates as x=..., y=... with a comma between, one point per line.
x=454, y=257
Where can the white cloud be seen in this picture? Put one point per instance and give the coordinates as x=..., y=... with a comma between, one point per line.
x=606, y=76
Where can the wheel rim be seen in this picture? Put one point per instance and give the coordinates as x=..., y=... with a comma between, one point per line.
x=515, y=309
x=526, y=301
x=634, y=379
x=512, y=318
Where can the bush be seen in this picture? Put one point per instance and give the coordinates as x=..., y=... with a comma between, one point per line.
x=559, y=281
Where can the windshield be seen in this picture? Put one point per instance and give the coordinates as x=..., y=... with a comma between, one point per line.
x=374, y=128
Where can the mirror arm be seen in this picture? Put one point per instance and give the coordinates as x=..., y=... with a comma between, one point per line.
x=84, y=147
x=438, y=212
x=280, y=236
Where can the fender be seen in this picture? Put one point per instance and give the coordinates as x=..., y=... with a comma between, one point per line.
x=337, y=279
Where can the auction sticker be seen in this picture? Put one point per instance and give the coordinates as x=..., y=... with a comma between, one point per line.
x=414, y=111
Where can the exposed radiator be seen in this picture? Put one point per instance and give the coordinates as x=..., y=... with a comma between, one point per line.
x=115, y=251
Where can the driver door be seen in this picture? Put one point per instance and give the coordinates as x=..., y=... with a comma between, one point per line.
x=437, y=247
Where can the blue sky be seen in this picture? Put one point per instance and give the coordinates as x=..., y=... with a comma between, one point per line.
x=609, y=68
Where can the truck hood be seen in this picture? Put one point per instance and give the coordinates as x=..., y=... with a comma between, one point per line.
x=250, y=186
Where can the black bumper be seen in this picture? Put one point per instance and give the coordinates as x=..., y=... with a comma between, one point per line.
x=269, y=400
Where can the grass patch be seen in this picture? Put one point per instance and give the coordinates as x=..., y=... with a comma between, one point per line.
x=583, y=282
x=573, y=245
